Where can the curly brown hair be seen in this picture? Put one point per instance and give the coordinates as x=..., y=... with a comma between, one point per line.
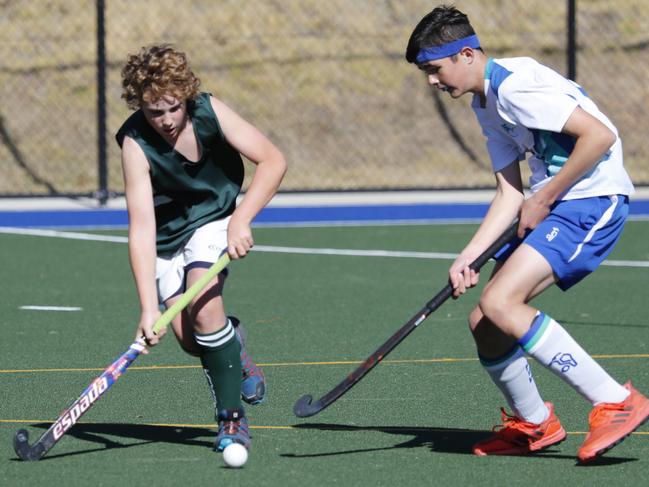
x=156, y=71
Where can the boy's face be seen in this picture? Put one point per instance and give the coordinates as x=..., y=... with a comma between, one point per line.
x=450, y=74
x=166, y=115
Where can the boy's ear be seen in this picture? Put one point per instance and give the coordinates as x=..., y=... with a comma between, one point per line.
x=466, y=55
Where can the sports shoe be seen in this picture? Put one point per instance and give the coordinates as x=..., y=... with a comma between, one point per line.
x=233, y=428
x=518, y=437
x=610, y=423
x=253, y=383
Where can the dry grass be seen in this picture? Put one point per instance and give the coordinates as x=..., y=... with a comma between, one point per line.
x=327, y=81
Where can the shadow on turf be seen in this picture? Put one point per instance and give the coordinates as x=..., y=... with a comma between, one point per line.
x=105, y=433
x=443, y=440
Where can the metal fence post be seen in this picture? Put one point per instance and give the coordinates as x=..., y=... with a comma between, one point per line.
x=572, y=40
x=102, y=163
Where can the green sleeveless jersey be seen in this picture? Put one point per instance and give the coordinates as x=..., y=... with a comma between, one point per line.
x=187, y=194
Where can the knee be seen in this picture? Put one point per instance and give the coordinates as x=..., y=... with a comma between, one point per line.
x=492, y=304
x=208, y=319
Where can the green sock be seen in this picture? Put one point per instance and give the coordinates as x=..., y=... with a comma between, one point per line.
x=220, y=356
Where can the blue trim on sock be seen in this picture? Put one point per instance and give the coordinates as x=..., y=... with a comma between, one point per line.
x=537, y=328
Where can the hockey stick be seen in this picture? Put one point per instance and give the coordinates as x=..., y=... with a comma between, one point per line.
x=305, y=407
x=101, y=384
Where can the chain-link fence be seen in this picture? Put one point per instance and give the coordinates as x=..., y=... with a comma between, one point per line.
x=326, y=80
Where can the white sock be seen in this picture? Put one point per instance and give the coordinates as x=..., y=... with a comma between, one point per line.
x=513, y=376
x=549, y=343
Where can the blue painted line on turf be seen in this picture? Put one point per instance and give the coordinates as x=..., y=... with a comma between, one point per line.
x=64, y=218
x=369, y=213
x=270, y=215
x=117, y=218
x=639, y=208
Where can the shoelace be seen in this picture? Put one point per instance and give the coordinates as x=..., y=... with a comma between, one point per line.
x=234, y=428
x=601, y=412
x=231, y=428
x=249, y=367
x=512, y=427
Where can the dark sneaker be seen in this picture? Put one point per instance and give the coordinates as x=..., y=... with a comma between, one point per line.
x=233, y=428
x=253, y=383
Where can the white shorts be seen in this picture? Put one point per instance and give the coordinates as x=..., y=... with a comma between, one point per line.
x=201, y=250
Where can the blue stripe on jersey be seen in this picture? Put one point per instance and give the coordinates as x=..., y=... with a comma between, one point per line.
x=496, y=75
x=580, y=88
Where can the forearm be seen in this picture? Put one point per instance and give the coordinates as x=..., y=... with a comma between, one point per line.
x=588, y=150
x=504, y=207
x=592, y=140
x=142, y=255
x=265, y=183
x=502, y=211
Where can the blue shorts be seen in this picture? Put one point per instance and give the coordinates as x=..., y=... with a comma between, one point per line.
x=576, y=236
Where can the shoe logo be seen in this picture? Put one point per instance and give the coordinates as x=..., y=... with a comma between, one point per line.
x=564, y=361
x=550, y=236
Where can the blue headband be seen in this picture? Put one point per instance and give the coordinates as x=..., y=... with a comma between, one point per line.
x=445, y=50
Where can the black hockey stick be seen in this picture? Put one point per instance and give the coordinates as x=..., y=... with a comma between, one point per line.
x=305, y=407
x=101, y=384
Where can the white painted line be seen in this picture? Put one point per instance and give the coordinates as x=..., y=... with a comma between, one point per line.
x=357, y=253
x=290, y=250
x=626, y=263
x=39, y=232
x=51, y=308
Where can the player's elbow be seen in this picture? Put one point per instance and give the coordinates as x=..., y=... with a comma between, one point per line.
x=609, y=137
x=604, y=137
x=279, y=163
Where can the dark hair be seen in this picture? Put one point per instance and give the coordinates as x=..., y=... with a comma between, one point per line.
x=444, y=24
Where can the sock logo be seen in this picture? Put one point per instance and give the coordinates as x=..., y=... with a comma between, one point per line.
x=563, y=361
x=550, y=236
x=529, y=372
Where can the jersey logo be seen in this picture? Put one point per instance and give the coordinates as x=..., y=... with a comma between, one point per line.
x=550, y=236
x=509, y=129
x=564, y=361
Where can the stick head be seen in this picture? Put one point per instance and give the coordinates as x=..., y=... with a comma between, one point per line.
x=24, y=450
x=303, y=407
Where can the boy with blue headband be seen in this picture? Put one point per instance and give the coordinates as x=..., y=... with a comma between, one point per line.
x=569, y=224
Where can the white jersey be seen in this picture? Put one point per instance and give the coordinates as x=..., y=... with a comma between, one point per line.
x=527, y=106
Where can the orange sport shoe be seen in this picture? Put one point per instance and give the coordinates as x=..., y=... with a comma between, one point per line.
x=610, y=423
x=518, y=437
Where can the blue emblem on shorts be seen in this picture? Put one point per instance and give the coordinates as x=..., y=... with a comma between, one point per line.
x=564, y=361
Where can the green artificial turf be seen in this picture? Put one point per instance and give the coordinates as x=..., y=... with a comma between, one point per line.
x=311, y=319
